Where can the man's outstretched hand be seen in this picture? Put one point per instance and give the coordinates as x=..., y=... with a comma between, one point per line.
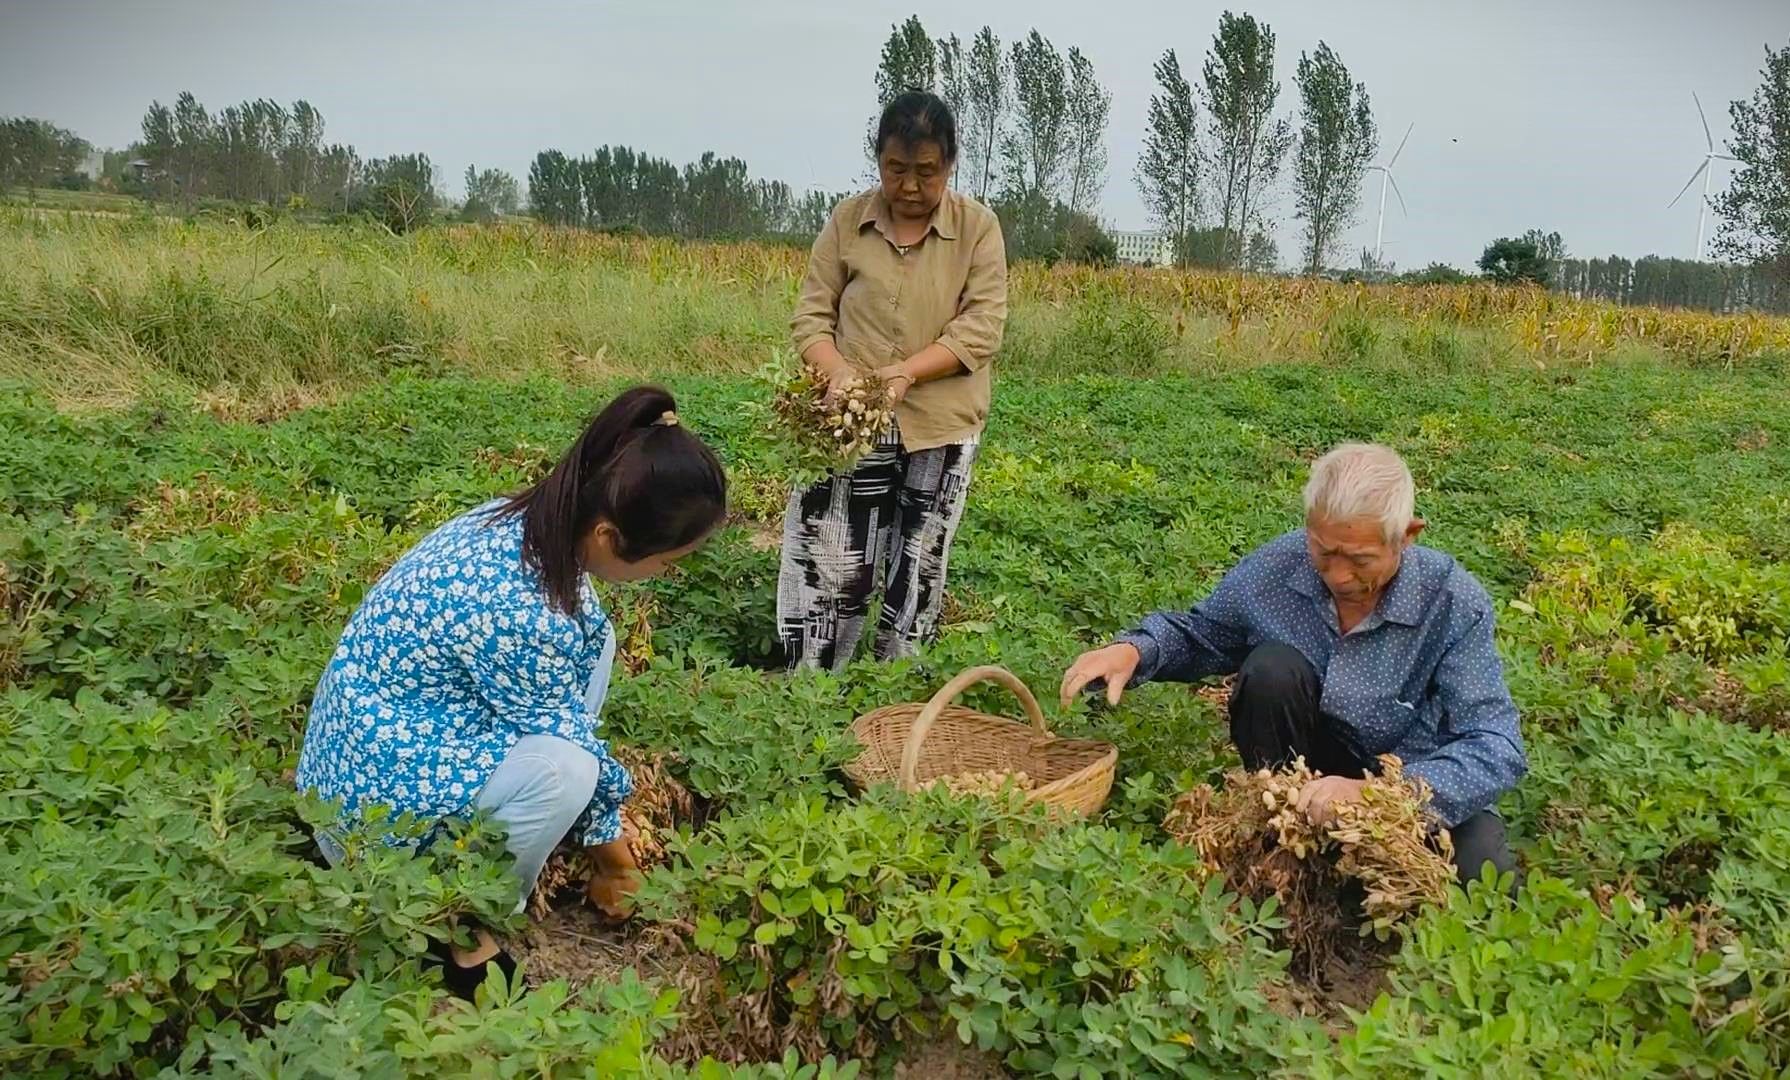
x=1115, y=664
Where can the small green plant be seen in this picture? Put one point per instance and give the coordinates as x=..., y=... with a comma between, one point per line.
x=378, y=1029
x=1552, y=984
x=1682, y=810
x=834, y=924
x=1681, y=621
x=1118, y=334
x=1349, y=338
x=208, y=907
x=1433, y=344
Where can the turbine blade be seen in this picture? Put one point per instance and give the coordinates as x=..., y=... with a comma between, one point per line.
x=1687, y=185
x=1707, y=137
x=1401, y=145
x=1400, y=194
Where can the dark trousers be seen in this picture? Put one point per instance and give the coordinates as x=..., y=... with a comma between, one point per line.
x=1275, y=718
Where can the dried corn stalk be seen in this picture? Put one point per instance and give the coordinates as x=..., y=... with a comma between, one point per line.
x=652, y=813
x=1251, y=832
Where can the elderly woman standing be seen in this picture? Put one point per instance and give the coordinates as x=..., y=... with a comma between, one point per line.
x=907, y=281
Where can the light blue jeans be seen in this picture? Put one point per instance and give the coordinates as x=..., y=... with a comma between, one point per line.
x=537, y=791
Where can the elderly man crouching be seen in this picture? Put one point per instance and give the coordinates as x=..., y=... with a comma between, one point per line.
x=1349, y=641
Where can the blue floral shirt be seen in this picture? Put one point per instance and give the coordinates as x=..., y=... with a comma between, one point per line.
x=454, y=655
x=1419, y=677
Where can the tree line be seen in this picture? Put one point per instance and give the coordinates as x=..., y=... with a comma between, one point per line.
x=620, y=188
x=37, y=153
x=1541, y=258
x=1032, y=122
x=263, y=152
x=1662, y=282
x=254, y=152
x=1215, y=151
x=1032, y=131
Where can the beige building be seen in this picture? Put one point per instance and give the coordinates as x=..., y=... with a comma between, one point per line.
x=1144, y=247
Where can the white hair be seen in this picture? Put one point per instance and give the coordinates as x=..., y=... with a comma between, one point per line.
x=1362, y=481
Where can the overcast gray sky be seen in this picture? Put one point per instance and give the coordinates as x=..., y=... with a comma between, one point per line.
x=1573, y=115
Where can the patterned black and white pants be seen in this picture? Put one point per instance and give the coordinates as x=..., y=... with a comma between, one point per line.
x=891, y=519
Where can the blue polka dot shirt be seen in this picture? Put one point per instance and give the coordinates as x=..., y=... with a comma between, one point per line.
x=1419, y=677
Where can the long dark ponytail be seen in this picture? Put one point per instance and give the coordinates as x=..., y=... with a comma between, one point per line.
x=635, y=467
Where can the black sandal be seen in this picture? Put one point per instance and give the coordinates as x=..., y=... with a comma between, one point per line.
x=464, y=982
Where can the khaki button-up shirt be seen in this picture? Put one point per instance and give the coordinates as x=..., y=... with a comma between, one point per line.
x=881, y=306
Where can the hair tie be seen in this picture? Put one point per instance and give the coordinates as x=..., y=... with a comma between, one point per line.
x=666, y=419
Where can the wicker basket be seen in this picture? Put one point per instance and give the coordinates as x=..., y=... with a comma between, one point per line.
x=914, y=744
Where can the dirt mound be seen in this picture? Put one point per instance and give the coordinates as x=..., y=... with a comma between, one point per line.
x=574, y=943
x=942, y=1056
x=577, y=944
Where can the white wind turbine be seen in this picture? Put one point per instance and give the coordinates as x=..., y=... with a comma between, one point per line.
x=1386, y=181
x=1707, y=171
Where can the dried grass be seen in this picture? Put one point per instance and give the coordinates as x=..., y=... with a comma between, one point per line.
x=231, y=404
x=633, y=622
x=202, y=505
x=1728, y=698
x=575, y=944
x=533, y=462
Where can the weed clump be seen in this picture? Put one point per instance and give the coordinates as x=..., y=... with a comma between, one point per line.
x=1251, y=832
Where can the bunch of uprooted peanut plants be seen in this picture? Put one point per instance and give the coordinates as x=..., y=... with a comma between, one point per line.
x=830, y=434
x=1251, y=832
x=659, y=804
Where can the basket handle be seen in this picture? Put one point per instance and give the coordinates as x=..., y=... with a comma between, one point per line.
x=910, y=753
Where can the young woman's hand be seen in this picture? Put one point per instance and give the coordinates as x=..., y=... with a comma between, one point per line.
x=615, y=878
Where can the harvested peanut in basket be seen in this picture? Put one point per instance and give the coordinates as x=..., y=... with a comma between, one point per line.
x=985, y=782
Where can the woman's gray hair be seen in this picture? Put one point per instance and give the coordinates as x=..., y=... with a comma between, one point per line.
x=1362, y=481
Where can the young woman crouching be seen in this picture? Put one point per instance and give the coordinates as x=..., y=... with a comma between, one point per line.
x=472, y=675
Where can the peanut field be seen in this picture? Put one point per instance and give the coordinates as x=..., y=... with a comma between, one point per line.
x=213, y=440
